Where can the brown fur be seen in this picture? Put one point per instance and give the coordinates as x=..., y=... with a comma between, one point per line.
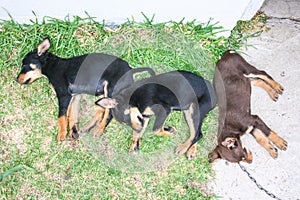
x=232, y=82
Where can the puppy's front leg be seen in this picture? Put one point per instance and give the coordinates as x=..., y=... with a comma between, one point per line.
x=135, y=146
x=73, y=112
x=62, y=128
x=278, y=141
x=136, y=136
x=192, y=151
x=263, y=140
x=63, y=103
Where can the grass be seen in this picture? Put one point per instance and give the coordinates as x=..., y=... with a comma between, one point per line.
x=34, y=166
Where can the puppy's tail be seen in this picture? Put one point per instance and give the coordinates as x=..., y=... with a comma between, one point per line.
x=140, y=70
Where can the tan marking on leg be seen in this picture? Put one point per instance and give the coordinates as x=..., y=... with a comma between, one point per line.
x=262, y=139
x=101, y=115
x=278, y=141
x=134, y=115
x=182, y=148
x=106, y=112
x=136, y=136
x=260, y=83
x=162, y=132
x=135, y=139
x=102, y=123
x=62, y=128
x=275, y=85
x=97, y=118
x=72, y=114
x=191, y=153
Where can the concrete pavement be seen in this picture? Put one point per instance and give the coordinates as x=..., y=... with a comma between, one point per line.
x=277, y=52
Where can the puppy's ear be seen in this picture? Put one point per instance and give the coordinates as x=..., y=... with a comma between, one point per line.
x=212, y=156
x=44, y=46
x=229, y=142
x=107, y=102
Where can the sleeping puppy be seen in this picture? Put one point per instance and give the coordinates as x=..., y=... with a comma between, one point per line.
x=70, y=77
x=232, y=82
x=158, y=96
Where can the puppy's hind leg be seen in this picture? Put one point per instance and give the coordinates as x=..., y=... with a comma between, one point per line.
x=73, y=112
x=93, y=122
x=260, y=83
x=204, y=108
x=188, y=114
x=102, y=116
x=269, y=80
x=160, y=117
x=104, y=122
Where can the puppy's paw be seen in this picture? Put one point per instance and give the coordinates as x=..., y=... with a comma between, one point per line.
x=167, y=131
x=278, y=141
x=60, y=138
x=181, y=149
x=191, y=153
x=278, y=88
x=135, y=146
x=273, y=152
x=281, y=144
x=171, y=130
x=133, y=152
x=284, y=145
x=274, y=95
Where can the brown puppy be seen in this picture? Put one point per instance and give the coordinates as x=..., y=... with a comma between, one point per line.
x=232, y=82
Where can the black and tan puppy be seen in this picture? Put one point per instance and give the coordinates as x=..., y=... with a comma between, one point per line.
x=86, y=74
x=232, y=82
x=158, y=96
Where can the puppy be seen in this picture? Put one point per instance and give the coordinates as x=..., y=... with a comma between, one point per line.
x=86, y=74
x=232, y=83
x=158, y=96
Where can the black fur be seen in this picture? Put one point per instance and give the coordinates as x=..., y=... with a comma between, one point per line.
x=177, y=90
x=62, y=73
